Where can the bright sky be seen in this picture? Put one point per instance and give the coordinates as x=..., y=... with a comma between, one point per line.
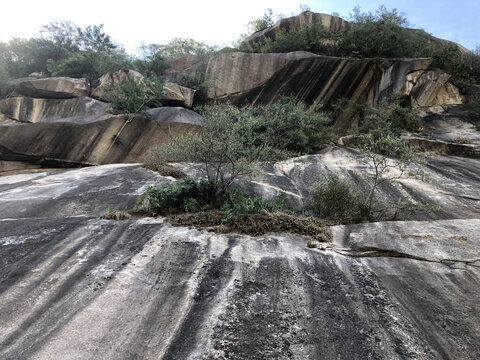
x=220, y=22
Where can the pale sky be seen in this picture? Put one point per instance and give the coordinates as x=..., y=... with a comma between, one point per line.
x=220, y=22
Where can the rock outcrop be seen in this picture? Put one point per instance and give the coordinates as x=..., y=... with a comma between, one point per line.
x=76, y=110
x=433, y=89
x=142, y=288
x=51, y=88
x=120, y=138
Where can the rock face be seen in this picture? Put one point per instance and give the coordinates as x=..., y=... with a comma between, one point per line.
x=294, y=23
x=176, y=95
x=78, y=110
x=76, y=286
x=51, y=88
x=263, y=78
x=82, y=143
x=433, y=89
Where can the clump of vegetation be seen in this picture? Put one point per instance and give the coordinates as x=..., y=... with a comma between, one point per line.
x=257, y=224
x=334, y=198
x=132, y=96
x=234, y=140
x=383, y=34
x=315, y=38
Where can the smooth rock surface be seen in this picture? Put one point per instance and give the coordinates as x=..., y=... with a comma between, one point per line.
x=76, y=286
x=120, y=138
x=52, y=87
x=76, y=110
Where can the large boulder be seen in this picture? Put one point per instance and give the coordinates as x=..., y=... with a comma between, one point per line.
x=28, y=109
x=433, y=89
x=51, y=88
x=264, y=78
x=177, y=95
x=108, y=139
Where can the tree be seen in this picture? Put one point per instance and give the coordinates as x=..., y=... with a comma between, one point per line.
x=382, y=35
x=261, y=23
x=391, y=157
x=234, y=140
x=134, y=97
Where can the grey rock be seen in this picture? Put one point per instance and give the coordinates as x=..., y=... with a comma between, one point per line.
x=76, y=286
x=51, y=88
x=76, y=110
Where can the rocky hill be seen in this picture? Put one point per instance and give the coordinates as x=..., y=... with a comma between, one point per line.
x=75, y=285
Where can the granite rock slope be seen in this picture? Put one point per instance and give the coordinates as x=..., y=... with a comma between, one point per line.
x=76, y=286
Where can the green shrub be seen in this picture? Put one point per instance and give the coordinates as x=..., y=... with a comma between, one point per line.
x=187, y=195
x=234, y=140
x=382, y=35
x=390, y=117
x=315, y=38
x=334, y=198
x=237, y=201
x=134, y=97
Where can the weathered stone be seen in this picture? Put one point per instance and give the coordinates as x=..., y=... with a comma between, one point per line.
x=176, y=114
x=80, y=110
x=433, y=89
x=109, y=80
x=176, y=95
x=51, y=88
x=393, y=289
x=264, y=78
x=453, y=124
x=16, y=166
x=95, y=142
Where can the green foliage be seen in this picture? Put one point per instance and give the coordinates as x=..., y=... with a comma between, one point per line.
x=464, y=67
x=390, y=116
x=235, y=139
x=334, y=198
x=179, y=47
x=88, y=64
x=473, y=105
x=187, y=195
x=382, y=35
x=64, y=49
x=153, y=65
x=4, y=77
x=315, y=38
x=262, y=23
x=134, y=97
x=237, y=201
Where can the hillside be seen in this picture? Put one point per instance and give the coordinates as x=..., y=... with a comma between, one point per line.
x=241, y=204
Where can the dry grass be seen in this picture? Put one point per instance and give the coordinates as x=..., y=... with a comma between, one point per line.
x=256, y=224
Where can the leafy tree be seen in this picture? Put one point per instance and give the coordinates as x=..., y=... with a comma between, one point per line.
x=464, y=67
x=382, y=35
x=234, y=140
x=314, y=37
x=179, y=47
x=262, y=23
x=135, y=97
x=151, y=63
